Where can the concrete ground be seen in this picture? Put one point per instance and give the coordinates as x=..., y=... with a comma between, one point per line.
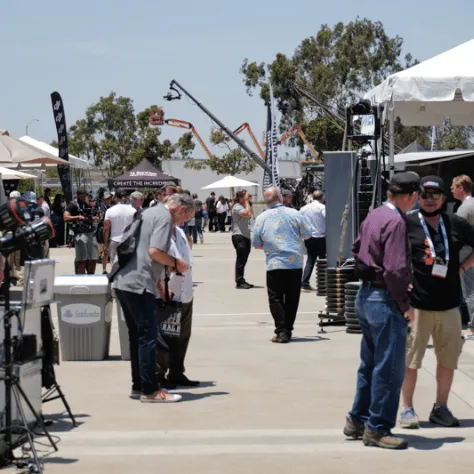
x=262, y=407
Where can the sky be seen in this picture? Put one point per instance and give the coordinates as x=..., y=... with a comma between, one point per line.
x=86, y=49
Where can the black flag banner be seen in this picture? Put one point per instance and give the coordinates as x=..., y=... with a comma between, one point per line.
x=271, y=152
x=267, y=177
x=64, y=171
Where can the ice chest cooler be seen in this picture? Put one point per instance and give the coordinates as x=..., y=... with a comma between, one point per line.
x=84, y=315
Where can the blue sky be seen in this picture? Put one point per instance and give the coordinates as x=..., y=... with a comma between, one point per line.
x=86, y=49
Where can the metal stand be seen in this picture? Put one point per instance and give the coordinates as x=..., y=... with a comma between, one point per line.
x=12, y=386
x=54, y=393
x=330, y=319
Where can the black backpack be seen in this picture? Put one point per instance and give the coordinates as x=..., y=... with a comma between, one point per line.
x=127, y=248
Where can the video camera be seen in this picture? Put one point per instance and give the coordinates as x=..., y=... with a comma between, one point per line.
x=20, y=228
x=364, y=122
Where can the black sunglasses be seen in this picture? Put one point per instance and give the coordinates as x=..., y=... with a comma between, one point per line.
x=430, y=195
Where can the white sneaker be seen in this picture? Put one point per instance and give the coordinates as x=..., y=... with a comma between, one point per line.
x=161, y=396
x=469, y=336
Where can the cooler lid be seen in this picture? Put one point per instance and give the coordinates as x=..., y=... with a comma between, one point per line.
x=81, y=285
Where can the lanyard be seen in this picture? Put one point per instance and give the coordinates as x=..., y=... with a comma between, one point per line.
x=393, y=208
x=430, y=242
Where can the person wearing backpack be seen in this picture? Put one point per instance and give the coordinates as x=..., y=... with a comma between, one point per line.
x=135, y=285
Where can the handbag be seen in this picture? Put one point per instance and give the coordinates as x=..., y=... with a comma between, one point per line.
x=169, y=313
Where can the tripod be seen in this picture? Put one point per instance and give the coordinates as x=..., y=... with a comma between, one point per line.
x=13, y=387
x=53, y=390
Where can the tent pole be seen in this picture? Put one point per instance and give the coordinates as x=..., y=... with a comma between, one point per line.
x=391, y=139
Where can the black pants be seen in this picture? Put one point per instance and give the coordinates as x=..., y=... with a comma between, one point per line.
x=140, y=313
x=212, y=221
x=316, y=249
x=284, y=289
x=173, y=360
x=242, y=249
x=221, y=218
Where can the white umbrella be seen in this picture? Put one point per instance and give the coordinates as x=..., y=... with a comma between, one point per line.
x=230, y=182
x=8, y=173
x=13, y=151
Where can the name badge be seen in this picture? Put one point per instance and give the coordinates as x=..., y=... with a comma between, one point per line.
x=439, y=271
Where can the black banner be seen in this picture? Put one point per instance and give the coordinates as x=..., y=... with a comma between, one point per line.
x=267, y=177
x=64, y=171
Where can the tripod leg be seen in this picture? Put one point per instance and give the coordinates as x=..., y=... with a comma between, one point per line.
x=25, y=423
x=38, y=418
x=66, y=405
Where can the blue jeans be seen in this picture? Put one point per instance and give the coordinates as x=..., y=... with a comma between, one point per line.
x=139, y=311
x=382, y=365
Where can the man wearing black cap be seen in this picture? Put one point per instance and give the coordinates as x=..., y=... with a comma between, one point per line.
x=383, y=263
x=287, y=198
x=436, y=238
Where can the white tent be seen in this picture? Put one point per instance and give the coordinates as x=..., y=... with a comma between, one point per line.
x=429, y=157
x=73, y=160
x=429, y=93
x=230, y=182
x=8, y=173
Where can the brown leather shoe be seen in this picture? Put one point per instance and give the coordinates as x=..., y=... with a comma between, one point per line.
x=353, y=430
x=383, y=440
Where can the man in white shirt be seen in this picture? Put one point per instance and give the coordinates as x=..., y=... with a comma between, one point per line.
x=116, y=219
x=181, y=290
x=462, y=191
x=315, y=214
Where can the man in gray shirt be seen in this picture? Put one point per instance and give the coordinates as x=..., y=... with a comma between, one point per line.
x=241, y=213
x=462, y=191
x=136, y=290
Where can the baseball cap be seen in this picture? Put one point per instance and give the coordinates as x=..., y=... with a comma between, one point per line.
x=15, y=194
x=120, y=193
x=285, y=192
x=433, y=182
x=404, y=183
x=107, y=195
x=29, y=196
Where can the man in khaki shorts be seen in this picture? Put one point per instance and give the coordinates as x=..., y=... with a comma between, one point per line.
x=436, y=238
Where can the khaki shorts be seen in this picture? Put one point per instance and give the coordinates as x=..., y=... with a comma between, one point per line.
x=445, y=329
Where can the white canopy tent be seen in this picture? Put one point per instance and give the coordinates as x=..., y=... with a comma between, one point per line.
x=73, y=160
x=8, y=173
x=230, y=182
x=429, y=93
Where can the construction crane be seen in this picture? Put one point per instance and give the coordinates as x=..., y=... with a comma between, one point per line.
x=296, y=127
x=156, y=118
x=246, y=126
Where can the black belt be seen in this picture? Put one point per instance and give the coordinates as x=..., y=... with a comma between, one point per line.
x=375, y=284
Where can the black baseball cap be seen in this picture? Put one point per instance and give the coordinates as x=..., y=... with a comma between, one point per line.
x=433, y=182
x=120, y=193
x=407, y=182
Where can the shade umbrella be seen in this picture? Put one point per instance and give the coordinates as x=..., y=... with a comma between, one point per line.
x=230, y=182
x=8, y=173
x=15, y=152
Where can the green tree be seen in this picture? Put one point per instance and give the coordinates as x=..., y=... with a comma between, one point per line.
x=335, y=65
x=232, y=163
x=454, y=138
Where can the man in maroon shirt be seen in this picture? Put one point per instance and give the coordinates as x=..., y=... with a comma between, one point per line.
x=383, y=263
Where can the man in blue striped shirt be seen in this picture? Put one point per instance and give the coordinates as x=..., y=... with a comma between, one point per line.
x=280, y=231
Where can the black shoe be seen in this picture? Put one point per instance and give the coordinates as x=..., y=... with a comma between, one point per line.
x=281, y=338
x=244, y=286
x=183, y=381
x=250, y=284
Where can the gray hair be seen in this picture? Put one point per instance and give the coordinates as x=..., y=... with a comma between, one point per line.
x=272, y=195
x=137, y=196
x=177, y=200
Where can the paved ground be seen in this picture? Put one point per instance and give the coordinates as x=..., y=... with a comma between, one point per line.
x=262, y=407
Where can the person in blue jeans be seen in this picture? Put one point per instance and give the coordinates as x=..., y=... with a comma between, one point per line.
x=382, y=254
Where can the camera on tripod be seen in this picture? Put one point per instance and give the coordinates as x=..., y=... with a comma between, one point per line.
x=21, y=229
x=364, y=122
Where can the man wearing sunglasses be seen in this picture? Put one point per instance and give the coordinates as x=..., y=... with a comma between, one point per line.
x=436, y=239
